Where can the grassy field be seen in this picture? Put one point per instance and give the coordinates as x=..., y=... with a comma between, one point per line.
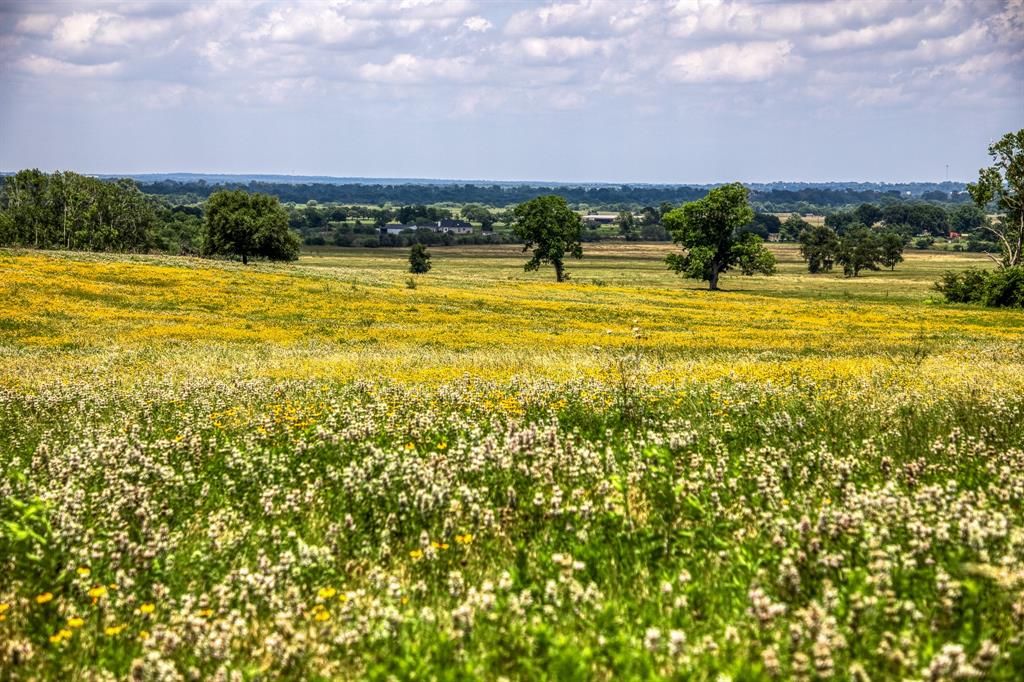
x=330, y=469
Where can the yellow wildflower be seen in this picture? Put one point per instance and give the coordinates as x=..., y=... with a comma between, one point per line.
x=114, y=630
x=147, y=608
x=206, y=613
x=416, y=554
x=75, y=622
x=83, y=571
x=60, y=636
x=44, y=597
x=321, y=616
x=464, y=539
x=326, y=592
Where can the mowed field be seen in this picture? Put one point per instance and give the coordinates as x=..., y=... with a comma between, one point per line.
x=332, y=469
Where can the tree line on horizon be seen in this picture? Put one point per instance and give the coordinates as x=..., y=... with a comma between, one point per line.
x=502, y=196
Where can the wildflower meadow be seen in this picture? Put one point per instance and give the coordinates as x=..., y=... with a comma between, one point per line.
x=316, y=471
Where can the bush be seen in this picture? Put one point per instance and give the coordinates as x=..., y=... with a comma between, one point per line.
x=963, y=287
x=1005, y=288
x=996, y=289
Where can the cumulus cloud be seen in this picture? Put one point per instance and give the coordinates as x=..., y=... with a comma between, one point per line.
x=652, y=51
x=740, y=62
x=410, y=69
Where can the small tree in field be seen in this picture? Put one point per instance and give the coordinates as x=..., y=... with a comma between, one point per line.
x=891, y=244
x=419, y=259
x=707, y=228
x=549, y=227
x=247, y=225
x=860, y=249
x=818, y=246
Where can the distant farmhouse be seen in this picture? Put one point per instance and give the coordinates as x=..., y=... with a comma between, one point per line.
x=446, y=225
x=600, y=218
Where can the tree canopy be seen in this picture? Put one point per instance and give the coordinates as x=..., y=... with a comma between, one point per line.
x=248, y=225
x=707, y=230
x=1002, y=183
x=549, y=227
x=819, y=246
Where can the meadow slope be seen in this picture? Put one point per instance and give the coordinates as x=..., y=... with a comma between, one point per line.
x=323, y=470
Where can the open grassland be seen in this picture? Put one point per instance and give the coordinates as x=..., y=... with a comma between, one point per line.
x=315, y=471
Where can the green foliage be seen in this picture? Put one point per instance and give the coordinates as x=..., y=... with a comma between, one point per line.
x=867, y=214
x=707, y=231
x=248, y=225
x=64, y=210
x=967, y=218
x=549, y=227
x=1002, y=183
x=627, y=225
x=819, y=246
x=1003, y=288
x=419, y=259
x=859, y=249
x=891, y=244
x=793, y=227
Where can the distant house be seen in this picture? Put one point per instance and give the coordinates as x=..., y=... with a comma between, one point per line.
x=600, y=218
x=394, y=228
x=774, y=236
x=955, y=235
x=454, y=226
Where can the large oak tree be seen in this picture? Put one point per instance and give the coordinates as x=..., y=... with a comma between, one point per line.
x=707, y=229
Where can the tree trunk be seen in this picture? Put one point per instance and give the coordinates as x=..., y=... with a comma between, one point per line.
x=559, y=271
x=713, y=282
x=245, y=259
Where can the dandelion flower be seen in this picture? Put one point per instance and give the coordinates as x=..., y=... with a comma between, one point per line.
x=83, y=571
x=114, y=630
x=97, y=592
x=321, y=616
x=75, y=622
x=326, y=592
x=416, y=554
x=147, y=608
x=44, y=597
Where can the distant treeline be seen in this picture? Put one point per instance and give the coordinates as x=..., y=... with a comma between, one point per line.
x=506, y=195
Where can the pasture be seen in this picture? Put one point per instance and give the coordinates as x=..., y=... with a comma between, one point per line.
x=330, y=469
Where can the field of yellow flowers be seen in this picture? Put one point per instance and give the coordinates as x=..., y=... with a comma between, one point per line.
x=332, y=470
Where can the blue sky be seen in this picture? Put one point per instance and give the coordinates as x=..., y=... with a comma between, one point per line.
x=688, y=91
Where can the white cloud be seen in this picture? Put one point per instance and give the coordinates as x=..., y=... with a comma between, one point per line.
x=48, y=66
x=410, y=69
x=477, y=24
x=39, y=24
x=740, y=62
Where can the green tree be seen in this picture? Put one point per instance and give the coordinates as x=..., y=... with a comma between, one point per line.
x=1003, y=184
x=627, y=225
x=859, y=249
x=819, y=246
x=248, y=225
x=419, y=259
x=547, y=225
x=891, y=244
x=967, y=218
x=707, y=231
x=867, y=214
x=793, y=227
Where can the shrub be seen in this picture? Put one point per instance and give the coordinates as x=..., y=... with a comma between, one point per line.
x=963, y=287
x=1005, y=288
x=997, y=289
x=419, y=259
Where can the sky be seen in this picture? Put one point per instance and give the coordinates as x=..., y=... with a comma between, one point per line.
x=687, y=91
